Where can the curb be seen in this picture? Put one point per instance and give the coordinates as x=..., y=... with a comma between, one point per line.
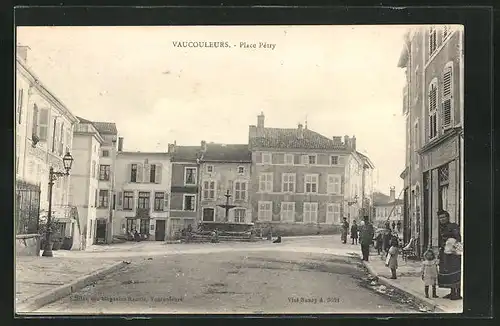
x=416, y=296
x=40, y=300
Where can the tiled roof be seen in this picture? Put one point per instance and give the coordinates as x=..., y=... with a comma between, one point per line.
x=288, y=138
x=227, y=153
x=106, y=127
x=102, y=127
x=185, y=153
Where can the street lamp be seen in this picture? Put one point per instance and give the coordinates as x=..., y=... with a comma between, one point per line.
x=53, y=175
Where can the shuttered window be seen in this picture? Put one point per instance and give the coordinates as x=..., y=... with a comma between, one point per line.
x=34, y=130
x=19, y=106
x=433, y=110
x=447, y=95
x=432, y=40
x=43, y=124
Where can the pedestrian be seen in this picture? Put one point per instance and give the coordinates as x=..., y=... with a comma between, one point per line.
x=392, y=258
x=450, y=260
x=379, y=242
x=345, y=230
x=398, y=225
x=386, y=239
x=430, y=272
x=393, y=226
x=366, y=238
x=354, y=232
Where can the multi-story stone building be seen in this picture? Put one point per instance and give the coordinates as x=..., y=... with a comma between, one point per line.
x=299, y=179
x=44, y=134
x=388, y=208
x=435, y=101
x=84, y=182
x=225, y=170
x=142, y=185
x=184, y=188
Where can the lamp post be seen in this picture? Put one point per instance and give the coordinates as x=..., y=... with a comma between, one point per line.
x=53, y=175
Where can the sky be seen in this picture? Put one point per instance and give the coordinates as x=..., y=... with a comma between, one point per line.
x=343, y=80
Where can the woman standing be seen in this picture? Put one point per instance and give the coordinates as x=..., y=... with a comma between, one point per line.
x=450, y=260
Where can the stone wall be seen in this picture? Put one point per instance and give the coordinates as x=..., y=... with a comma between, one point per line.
x=292, y=229
x=28, y=245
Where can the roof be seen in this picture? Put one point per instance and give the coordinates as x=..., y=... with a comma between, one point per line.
x=288, y=138
x=227, y=153
x=185, y=153
x=102, y=127
x=380, y=199
x=366, y=159
x=389, y=203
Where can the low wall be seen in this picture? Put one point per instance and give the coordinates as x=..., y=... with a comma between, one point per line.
x=28, y=245
x=291, y=229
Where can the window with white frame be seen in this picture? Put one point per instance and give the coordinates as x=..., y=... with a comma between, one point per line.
x=447, y=102
x=333, y=186
x=432, y=40
x=241, y=170
x=240, y=190
x=210, y=168
x=311, y=159
x=209, y=190
x=189, y=203
x=334, y=160
x=239, y=215
x=266, y=158
x=190, y=176
x=311, y=183
x=265, y=211
x=289, y=159
x=433, y=109
x=333, y=213
x=288, y=211
x=266, y=182
x=310, y=212
x=288, y=182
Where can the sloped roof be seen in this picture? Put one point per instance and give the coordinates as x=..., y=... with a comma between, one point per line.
x=106, y=127
x=186, y=153
x=366, y=159
x=227, y=153
x=102, y=127
x=288, y=138
x=380, y=199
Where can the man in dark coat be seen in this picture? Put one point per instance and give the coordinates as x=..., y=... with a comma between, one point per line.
x=398, y=225
x=345, y=230
x=354, y=232
x=393, y=226
x=366, y=238
x=450, y=264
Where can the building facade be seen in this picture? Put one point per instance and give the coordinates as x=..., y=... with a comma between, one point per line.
x=44, y=134
x=388, y=208
x=437, y=145
x=225, y=170
x=142, y=188
x=84, y=181
x=298, y=179
x=185, y=188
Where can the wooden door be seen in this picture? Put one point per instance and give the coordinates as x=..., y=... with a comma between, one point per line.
x=160, y=230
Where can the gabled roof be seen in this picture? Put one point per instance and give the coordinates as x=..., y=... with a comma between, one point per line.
x=227, y=153
x=366, y=159
x=288, y=138
x=186, y=153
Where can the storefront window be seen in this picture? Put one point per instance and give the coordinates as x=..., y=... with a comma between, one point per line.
x=443, y=175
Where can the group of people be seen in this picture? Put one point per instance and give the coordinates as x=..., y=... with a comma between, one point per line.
x=443, y=271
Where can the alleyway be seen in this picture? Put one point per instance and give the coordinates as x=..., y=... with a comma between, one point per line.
x=262, y=278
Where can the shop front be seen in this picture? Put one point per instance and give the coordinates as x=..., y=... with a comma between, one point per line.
x=441, y=184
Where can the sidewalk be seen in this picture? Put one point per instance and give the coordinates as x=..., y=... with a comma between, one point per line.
x=41, y=280
x=409, y=280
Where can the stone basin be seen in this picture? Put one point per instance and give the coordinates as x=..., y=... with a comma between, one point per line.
x=226, y=226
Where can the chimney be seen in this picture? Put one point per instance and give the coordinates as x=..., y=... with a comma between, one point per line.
x=203, y=146
x=392, y=194
x=347, y=142
x=337, y=140
x=300, y=131
x=260, y=125
x=171, y=147
x=353, y=143
x=120, y=144
x=22, y=52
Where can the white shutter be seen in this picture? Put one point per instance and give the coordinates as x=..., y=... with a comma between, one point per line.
x=147, y=173
x=447, y=96
x=165, y=201
x=140, y=173
x=119, y=200
x=158, y=173
x=43, y=124
x=305, y=159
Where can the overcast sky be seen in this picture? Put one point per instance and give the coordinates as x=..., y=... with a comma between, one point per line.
x=344, y=79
